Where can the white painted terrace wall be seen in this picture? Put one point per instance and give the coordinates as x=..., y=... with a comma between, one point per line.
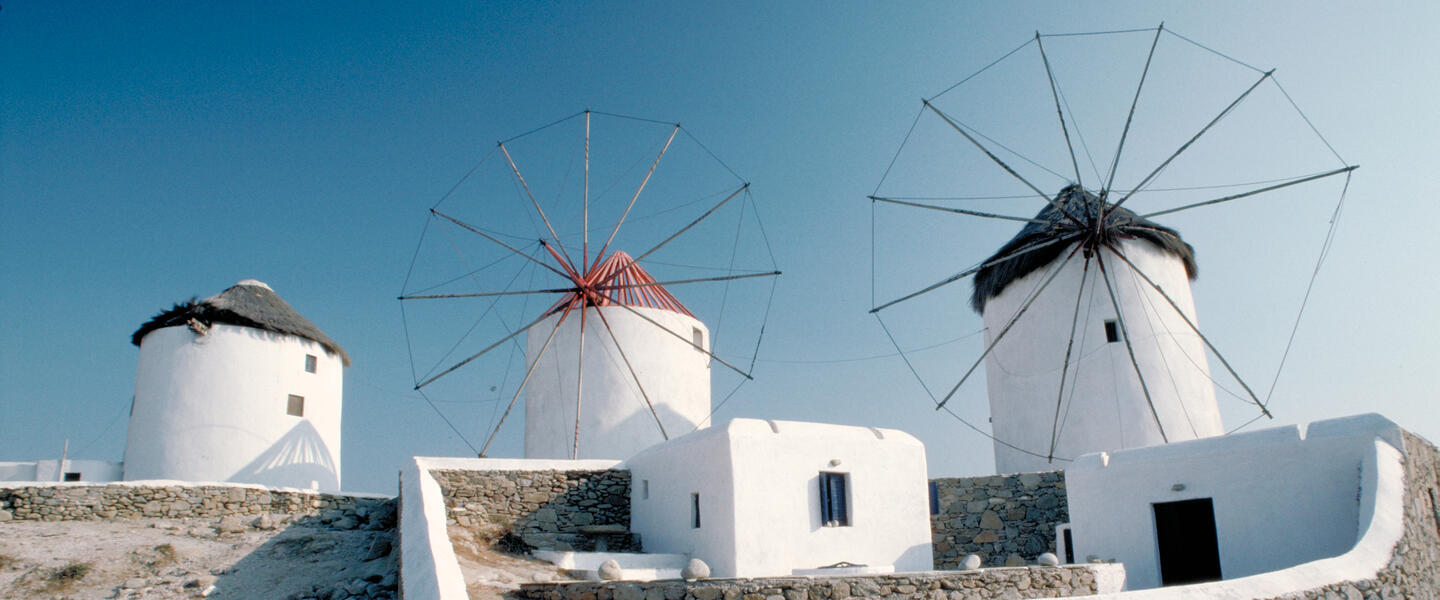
x=1282, y=497
x=92, y=471
x=213, y=408
x=615, y=422
x=1105, y=405
x=759, y=496
x=428, y=567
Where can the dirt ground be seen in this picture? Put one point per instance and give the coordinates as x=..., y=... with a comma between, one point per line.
x=489, y=574
x=193, y=558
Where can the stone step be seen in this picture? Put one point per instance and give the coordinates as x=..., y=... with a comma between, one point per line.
x=636, y=566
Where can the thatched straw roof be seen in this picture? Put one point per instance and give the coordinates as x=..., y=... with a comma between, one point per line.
x=249, y=303
x=1051, y=223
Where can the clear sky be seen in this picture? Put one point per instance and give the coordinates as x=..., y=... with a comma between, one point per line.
x=150, y=152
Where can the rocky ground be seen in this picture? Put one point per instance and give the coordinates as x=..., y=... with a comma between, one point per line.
x=231, y=557
x=491, y=574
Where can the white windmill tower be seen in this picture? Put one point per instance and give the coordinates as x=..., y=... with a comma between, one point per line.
x=1131, y=375
x=616, y=363
x=599, y=396
x=238, y=387
x=1091, y=336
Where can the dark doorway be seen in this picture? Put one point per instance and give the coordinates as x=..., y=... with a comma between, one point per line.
x=1185, y=534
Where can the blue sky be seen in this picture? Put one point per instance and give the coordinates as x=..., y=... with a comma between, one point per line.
x=150, y=152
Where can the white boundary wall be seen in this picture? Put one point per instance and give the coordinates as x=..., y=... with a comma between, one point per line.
x=213, y=407
x=428, y=567
x=1292, y=513
x=758, y=483
x=91, y=471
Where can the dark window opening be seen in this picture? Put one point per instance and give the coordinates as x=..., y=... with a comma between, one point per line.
x=834, y=512
x=695, y=510
x=934, y=499
x=309, y=363
x=72, y=476
x=1069, y=547
x=645, y=489
x=295, y=407
x=1185, y=535
x=1112, y=331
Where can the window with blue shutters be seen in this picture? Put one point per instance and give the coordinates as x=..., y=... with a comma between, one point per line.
x=834, y=506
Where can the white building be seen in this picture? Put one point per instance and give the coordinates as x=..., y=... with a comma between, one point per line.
x=238, y=388
x=759, y=498
x=1103, y=405
x=650, y=352
x=1268, y=512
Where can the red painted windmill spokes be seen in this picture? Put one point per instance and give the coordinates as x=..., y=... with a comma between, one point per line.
x=613, y=280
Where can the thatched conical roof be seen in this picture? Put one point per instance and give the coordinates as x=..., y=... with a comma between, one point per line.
x=1051, y=223
x=249, y=303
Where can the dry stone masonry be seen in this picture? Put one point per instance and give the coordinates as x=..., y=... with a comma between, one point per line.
x=89, y=502
x=548, y=510
x=1008, y=520
x=1021, y=582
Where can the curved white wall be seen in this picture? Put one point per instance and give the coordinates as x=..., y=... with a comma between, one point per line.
x=1105, y=408
x=214, y=408
x=615, y=422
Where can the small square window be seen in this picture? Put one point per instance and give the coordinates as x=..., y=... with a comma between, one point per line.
x=296, y=406
x=695, y=511
x=834, y=509
x=309, y=363
x=72, y=476
x=1112, y=332
x=698, y=338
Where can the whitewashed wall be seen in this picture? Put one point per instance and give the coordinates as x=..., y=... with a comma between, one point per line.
x=213, y=408
x=17, y=471
x=759, y=494
x=1105, y=406
x=1282, y=497
x=615, y=422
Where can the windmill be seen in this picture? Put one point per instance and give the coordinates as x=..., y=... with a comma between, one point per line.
x=1091, y=339
x=597, y=341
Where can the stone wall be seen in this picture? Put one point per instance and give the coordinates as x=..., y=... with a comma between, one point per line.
x=85, y=502
x=548, y=510
x=1022, y=582
x=1005, y=519
x=1414, y=569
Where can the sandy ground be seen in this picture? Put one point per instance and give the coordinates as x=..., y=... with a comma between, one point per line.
x=192, y=558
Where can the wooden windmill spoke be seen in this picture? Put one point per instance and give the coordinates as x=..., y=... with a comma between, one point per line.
x=621, y=286
x=601, y=255
x=956, y=126
x=1013, y=320
x=585, y=199
x=488, y=294
x=579, y=383
x=1065, y=366
x=1252, y=192
x=677, y=336
x=958, y=211
x=1114, y=164
x=672, y=237
x=529, y=370
x=1054, y=92
x=976, y=269
x=569, y=264
x=477, y=231
x=1256, y=399
x=1186, y=145
x=636, y=377
x=1125, y=335
x=481, y=353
